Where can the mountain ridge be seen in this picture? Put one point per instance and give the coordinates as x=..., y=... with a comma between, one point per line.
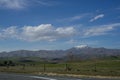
x=84, y=52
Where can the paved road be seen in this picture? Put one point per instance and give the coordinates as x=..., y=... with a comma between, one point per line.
x=5, y=76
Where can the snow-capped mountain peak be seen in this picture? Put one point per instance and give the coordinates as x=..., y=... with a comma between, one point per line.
x=81, y=46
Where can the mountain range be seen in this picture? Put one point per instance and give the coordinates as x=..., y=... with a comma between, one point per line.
x=79, y=52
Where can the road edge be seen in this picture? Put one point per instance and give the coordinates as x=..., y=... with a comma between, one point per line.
x=77, y=76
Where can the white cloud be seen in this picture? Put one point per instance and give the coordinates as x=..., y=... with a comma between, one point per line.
x=45, y=32
x=36, y=33
x=44, y=2
x=21, y=4
x=97, y=17
x=74, y=18
x=13, y=4
x=10, y=32
x=70, y=19
x=100, y=30
x=68, y=31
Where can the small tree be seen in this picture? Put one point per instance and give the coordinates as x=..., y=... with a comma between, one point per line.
x=67, y=67
x=5, y=63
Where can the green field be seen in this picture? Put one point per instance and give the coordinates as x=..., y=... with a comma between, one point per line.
x=102, y=67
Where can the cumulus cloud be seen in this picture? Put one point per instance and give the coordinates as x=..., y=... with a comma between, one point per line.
x=41, y=32
x=37, y=33
x=68, y=31
x=10, y=32
x=97, y=17
x=47, y=32
x=100, y=30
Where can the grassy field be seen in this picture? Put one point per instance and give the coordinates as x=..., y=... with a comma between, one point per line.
x=104, y=67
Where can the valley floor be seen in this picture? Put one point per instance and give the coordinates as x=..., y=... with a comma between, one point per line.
x=88, y=68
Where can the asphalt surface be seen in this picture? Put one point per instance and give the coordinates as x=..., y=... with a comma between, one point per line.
x=6, y=76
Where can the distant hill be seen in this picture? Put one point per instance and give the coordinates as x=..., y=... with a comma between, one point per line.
x=79, y=52
x=88, y=52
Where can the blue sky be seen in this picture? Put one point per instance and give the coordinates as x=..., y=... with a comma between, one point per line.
x=59, y=24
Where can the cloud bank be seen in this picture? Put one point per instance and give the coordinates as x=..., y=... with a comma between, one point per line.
x=100, y=30
x=48, y=32
x=45, y=32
